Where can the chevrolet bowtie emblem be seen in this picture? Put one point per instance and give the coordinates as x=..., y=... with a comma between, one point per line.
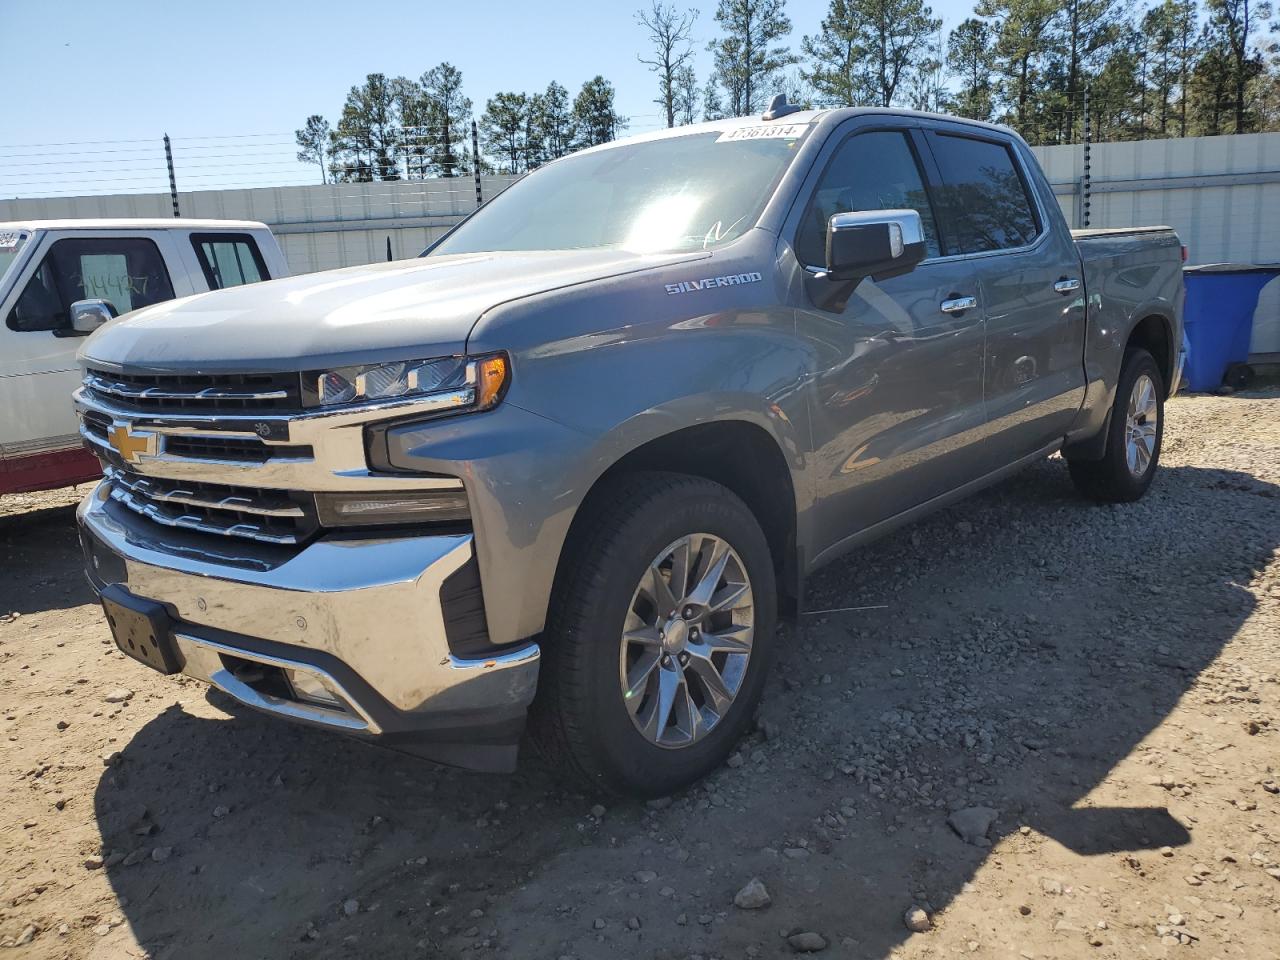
x=131, y=445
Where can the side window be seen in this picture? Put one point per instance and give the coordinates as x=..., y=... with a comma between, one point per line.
x=229, y=259
x=869, y=171
x=983, y=197
x=128, y=271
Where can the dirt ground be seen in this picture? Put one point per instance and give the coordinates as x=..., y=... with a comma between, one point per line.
x=1095, y=691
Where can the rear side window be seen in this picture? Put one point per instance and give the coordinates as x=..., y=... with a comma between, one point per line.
x=229, y=259
x=128, y=271
x=869, y=171
x=983, y=197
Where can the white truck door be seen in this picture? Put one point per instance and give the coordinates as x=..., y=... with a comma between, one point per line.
x=38, y=369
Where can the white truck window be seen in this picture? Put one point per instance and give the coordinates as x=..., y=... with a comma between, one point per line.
x=128, y=271
x=229, y=260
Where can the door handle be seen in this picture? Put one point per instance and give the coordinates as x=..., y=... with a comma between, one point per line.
x=958, y=304
x=1067, y=285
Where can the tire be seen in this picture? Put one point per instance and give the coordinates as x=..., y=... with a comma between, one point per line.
x=1124, y=473
x=581, y=720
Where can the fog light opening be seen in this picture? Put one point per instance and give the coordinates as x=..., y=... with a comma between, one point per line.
x=309, y=688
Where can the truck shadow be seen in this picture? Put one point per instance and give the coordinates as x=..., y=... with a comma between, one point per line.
x=1017, y=683
x=32, y=543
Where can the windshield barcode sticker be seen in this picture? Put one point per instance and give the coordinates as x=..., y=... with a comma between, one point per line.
x=779, y=131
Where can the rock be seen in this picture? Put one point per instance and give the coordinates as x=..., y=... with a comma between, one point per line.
x=972, y=823
x=917, y=920
x=644, y=876
x=26, y=936
x=661, y=803
x=111, y=758
x=119, y=695
x=161, y=854
x=965, y=527
x=633, y=923
x=598, y=923
x=795, y=853
x=598, y=811
x=807, y=942
x=220, y=811
x=1051, y=886
x=351, y=907
x=735, y=760
x=63, y=724
x=93, y=863
x=753, y=896
x=102, y=929
x=136, y=856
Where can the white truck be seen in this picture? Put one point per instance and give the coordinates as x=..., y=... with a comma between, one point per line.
x=46, y=266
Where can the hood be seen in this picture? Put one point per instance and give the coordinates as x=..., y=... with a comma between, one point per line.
x=405, y=309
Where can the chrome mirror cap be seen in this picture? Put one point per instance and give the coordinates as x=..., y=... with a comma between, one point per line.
x=88, y=315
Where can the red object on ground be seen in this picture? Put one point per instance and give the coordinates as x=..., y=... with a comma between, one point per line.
x=46, y=471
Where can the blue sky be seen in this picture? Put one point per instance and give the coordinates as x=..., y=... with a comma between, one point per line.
x=231, y=80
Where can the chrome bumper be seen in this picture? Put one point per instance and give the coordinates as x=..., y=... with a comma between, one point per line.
x=362, y=617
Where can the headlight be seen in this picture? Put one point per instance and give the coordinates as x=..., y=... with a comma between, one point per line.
x=452, y=382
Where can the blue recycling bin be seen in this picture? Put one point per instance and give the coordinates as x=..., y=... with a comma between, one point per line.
x=1218, y=316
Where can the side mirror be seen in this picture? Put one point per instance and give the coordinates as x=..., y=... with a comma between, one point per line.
x=869, y=243
x=88, y=315
x=874, y=243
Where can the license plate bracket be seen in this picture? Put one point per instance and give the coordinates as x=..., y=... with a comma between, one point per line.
x=142, y=629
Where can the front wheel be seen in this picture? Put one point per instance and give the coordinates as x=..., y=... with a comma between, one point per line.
x=660, y=635
x=1134, y=436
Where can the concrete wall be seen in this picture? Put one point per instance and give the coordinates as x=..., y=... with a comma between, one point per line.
x=1222, y=195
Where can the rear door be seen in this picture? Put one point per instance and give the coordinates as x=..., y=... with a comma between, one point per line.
x=896, y=399
x=1003, y=220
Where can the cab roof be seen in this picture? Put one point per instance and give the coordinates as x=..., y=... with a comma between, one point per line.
x=133, y=223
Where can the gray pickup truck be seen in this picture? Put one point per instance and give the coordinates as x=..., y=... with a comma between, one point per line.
x=576, y=461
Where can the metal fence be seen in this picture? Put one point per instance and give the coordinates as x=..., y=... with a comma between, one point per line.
x=1221, y=194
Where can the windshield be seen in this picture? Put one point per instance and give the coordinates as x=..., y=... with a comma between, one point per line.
x=11, y=243
x=679, y=193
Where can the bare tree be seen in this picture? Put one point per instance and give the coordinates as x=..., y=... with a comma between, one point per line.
x=669, y=32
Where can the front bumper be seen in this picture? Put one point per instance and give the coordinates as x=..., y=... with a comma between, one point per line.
x=361, y=619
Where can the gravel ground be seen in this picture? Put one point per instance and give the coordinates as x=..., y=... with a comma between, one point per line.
x=1059, y=738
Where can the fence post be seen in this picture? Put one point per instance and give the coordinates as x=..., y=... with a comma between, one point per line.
x=1086, y=181
x=173, y=183
x=475, y=160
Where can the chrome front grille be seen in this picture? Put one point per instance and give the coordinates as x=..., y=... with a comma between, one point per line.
x=265, y=515
x=213, y=456
x=197, y=393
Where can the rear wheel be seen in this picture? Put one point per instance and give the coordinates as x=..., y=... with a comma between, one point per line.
x=1134, y=436
x=660, y=635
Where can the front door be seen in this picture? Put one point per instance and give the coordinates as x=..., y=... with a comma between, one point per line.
x=896, y=399
x=38, y=369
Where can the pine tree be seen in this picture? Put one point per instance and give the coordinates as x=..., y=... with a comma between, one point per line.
x=449, y=118
x=594, y=118
x=747, y=57
x=970, y=58
x=503, y=127
x=313, y=142
x=870, y=50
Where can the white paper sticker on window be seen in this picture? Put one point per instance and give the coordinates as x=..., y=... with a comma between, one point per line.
x=773, y=131
x=9, y=241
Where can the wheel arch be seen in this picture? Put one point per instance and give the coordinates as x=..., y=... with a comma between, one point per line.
x=738, y=454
